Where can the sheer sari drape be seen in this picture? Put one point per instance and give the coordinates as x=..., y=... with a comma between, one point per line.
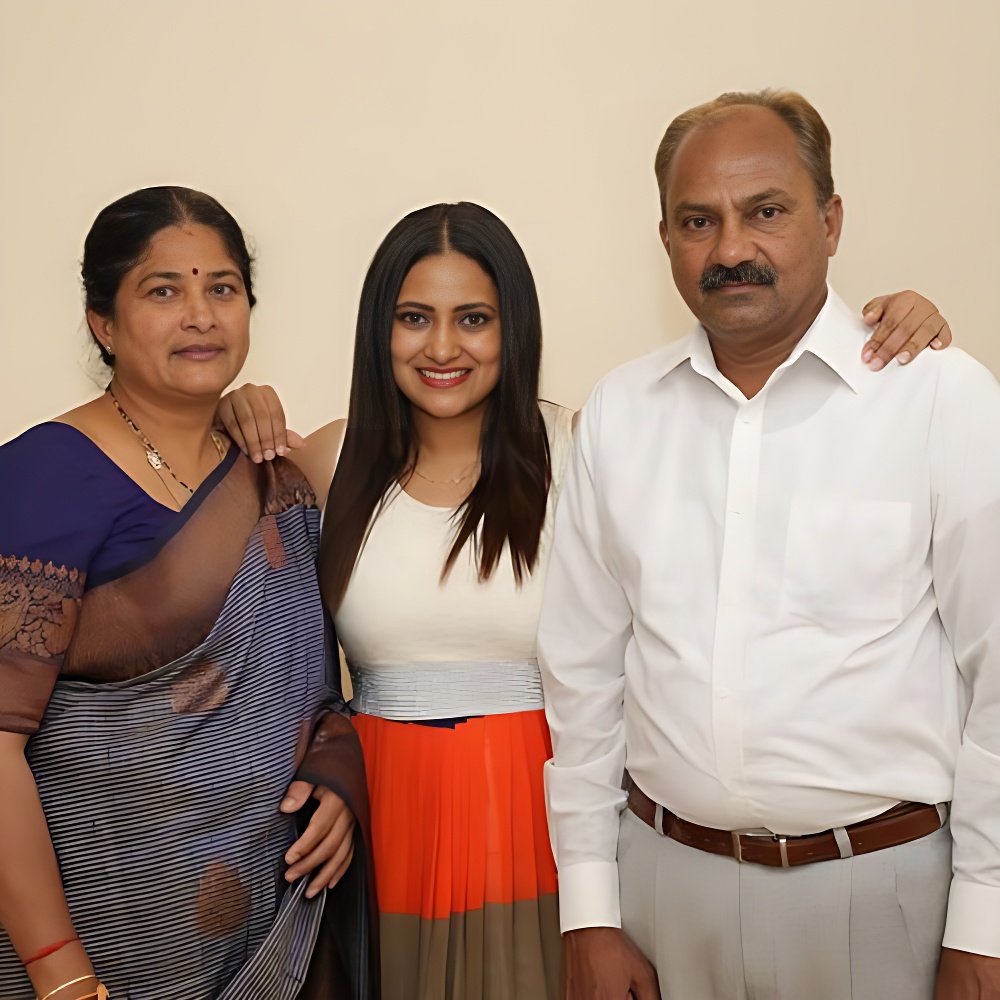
x=196, y=684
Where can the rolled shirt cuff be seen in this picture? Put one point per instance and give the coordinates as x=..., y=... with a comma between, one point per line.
x=588, y=895
x=973, y=918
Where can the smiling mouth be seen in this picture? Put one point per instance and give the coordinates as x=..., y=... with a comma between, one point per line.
x=445, y=379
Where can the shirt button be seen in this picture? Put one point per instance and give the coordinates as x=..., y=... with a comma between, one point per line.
x=722, y=693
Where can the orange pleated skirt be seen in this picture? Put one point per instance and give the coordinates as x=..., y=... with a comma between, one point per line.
x=464, y=872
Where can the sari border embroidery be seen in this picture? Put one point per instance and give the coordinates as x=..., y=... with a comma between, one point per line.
x=39, y=606
x=39, y=602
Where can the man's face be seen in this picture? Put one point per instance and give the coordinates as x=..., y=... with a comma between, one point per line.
x=748, y=244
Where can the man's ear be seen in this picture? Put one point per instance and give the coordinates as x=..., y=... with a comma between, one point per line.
x=833, y=223
x=664, y=239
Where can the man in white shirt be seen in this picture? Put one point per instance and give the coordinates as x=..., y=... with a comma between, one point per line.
x=774, y=598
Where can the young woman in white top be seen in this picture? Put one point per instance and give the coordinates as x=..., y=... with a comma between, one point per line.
x=436, y=535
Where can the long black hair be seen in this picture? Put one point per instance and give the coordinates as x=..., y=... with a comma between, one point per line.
x=507, y=504
x=121, y=234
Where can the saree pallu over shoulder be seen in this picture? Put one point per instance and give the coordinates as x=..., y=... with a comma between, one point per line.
x=149, y=612
x=188, y=698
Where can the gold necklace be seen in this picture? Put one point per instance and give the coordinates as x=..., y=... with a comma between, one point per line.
x=448, y=482
x=154, y=458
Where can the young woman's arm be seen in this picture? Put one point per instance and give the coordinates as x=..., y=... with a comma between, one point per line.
x=903, y=325
x=317, y=458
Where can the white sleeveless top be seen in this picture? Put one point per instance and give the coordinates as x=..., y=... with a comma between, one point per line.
x=419, y=647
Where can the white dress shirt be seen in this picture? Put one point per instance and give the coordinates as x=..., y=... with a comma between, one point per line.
x=757, y=607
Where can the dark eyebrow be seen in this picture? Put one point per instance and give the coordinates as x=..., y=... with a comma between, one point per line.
x=177, y=276
x=164, y=275
x=462, y=308
x=755, y=199
x=768, y=195
x=691, y=206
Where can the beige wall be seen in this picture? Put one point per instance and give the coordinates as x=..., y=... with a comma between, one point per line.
x=319, y=123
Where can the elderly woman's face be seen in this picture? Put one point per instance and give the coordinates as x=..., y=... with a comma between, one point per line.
x=182, y=317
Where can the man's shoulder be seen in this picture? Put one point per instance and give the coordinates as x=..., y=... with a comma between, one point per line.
x=644, y=372
x=966, y=386
x=956, y=364
x=952, y=371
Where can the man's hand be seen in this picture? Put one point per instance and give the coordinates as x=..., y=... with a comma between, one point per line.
x=965, y=976
x=603, y=964
x=327, y=844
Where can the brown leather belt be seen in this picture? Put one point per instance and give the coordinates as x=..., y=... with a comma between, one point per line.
x=901, y=824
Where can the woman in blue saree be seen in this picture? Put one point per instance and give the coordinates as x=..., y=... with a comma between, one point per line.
x=182, y=793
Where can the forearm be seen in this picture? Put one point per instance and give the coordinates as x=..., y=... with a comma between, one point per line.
x=973, y=923
x=33, y=908
x=585, y=627
x=335, y=760
x=966, y=552
x=583, y=784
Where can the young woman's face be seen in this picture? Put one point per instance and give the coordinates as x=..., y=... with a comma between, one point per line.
x=182, y=317
x=446, y=336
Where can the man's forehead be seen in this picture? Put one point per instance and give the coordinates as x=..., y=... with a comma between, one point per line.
x=738, y=151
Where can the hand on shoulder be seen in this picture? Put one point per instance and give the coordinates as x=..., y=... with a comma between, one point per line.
x=903, y=324
x=254, y=418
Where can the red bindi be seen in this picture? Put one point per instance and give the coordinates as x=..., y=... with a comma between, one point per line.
x=194, y=270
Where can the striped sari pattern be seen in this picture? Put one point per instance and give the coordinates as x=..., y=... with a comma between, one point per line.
x=161, y=793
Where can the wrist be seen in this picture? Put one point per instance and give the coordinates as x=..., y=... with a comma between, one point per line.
x=56, y=970
x=95, y=990
x=584, y=937
x=71, y=990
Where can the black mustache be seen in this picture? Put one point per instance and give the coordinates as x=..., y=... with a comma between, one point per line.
x=747, y=272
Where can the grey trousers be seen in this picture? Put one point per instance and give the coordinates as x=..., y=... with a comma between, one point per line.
x=864, y=928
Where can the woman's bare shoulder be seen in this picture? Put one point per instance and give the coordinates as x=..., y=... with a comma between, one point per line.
x=318, y=457
x=91, y=418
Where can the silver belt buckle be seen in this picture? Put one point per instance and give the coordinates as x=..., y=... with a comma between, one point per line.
x=782, y=843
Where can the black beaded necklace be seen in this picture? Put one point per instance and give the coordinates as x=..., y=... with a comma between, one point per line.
x=154, y=458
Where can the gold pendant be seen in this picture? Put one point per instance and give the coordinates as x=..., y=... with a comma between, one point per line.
x=154, y=459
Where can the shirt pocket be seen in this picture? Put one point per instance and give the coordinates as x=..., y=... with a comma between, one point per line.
x=846, y=560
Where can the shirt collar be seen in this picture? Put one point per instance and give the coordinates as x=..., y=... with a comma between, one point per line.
x=836, y=337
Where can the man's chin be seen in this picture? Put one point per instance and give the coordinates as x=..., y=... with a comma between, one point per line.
x=737, y=313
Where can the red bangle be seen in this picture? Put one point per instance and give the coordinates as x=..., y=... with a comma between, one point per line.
x=50, y=950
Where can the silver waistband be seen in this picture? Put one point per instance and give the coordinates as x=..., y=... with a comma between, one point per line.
x=407, y=692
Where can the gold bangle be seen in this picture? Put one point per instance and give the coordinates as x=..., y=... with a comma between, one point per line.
x=72, y=982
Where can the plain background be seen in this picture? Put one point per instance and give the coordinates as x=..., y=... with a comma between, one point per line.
x=318, y=124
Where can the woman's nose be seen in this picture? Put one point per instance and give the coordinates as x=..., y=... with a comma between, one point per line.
x=199, y=312
x=443, y=344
